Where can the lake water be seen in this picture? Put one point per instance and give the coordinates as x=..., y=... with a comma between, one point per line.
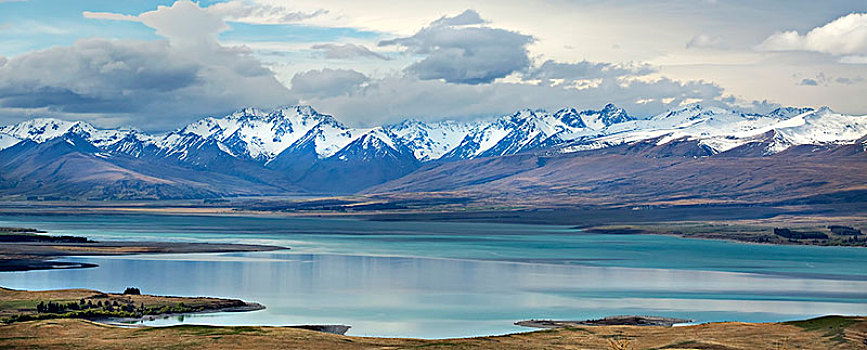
x=435, y=280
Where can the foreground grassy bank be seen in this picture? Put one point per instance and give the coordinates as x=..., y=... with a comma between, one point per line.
x=825, y=333
x=21, y=305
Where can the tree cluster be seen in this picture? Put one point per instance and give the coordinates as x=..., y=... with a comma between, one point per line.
x=52, y=307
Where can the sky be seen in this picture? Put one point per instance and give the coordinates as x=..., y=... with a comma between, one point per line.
x=157, y=65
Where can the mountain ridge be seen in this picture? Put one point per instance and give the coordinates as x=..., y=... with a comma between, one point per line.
x=295, y=149
x=262, y=135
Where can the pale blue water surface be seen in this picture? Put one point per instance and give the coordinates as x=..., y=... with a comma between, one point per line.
x=436, y=280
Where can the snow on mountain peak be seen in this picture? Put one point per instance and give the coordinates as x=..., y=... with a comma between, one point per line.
x=42, y=129
x=824, y=127
x=7, y=141
x=789, y=112
x=262, y=135
x=430, y=141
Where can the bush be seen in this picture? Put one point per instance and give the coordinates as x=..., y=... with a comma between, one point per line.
x=131, y=291
x=790, y=234
x=844, y=230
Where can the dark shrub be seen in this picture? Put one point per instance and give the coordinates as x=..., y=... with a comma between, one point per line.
x=131, y=291
x=844, y=230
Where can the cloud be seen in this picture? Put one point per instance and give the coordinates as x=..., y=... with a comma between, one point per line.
x=160, y=83
x=584, y=70
x=185, y=24
x=233, y=11
x=110, y=16
x=854, y=59
x=848, y=80
x=705, y=41
x=828, y=80
x=468, y=17
x=457, y=53
x=843, y=36
x=326, y=82
x=258, y=13
x=393, y=98
x=347, y=51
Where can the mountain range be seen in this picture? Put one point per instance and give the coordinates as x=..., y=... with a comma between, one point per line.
x=296, y=150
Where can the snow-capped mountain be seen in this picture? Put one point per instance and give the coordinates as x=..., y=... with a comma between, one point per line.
x=721, y=130
x=430, y=141
x=43, y=129
x=262, y=136
x=297, y=146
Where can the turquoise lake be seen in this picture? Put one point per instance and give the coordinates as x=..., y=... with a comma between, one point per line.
x=436, y=280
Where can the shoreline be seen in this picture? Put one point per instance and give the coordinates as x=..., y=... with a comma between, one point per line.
x=624, y=320
x=131, y=321
x=128, y=310
x=685, y=222
x=23, y=305
x=32, y=256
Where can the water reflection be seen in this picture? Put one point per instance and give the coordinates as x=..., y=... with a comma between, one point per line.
x=427, y=297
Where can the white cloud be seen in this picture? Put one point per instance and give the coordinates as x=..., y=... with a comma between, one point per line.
x=854, y=60
x=454, y=66
x=391, y=99
x=185, y=24
x=250, y=12
x=706, y=41
x=457, y=53
x=347, y=51
x=822, y=79
x=191, y=74
x=843, y=36
x=584, y=70
x=468, y=17
x=159, y=83
x=326, y=82
x=233, y=11
x=111, y=16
